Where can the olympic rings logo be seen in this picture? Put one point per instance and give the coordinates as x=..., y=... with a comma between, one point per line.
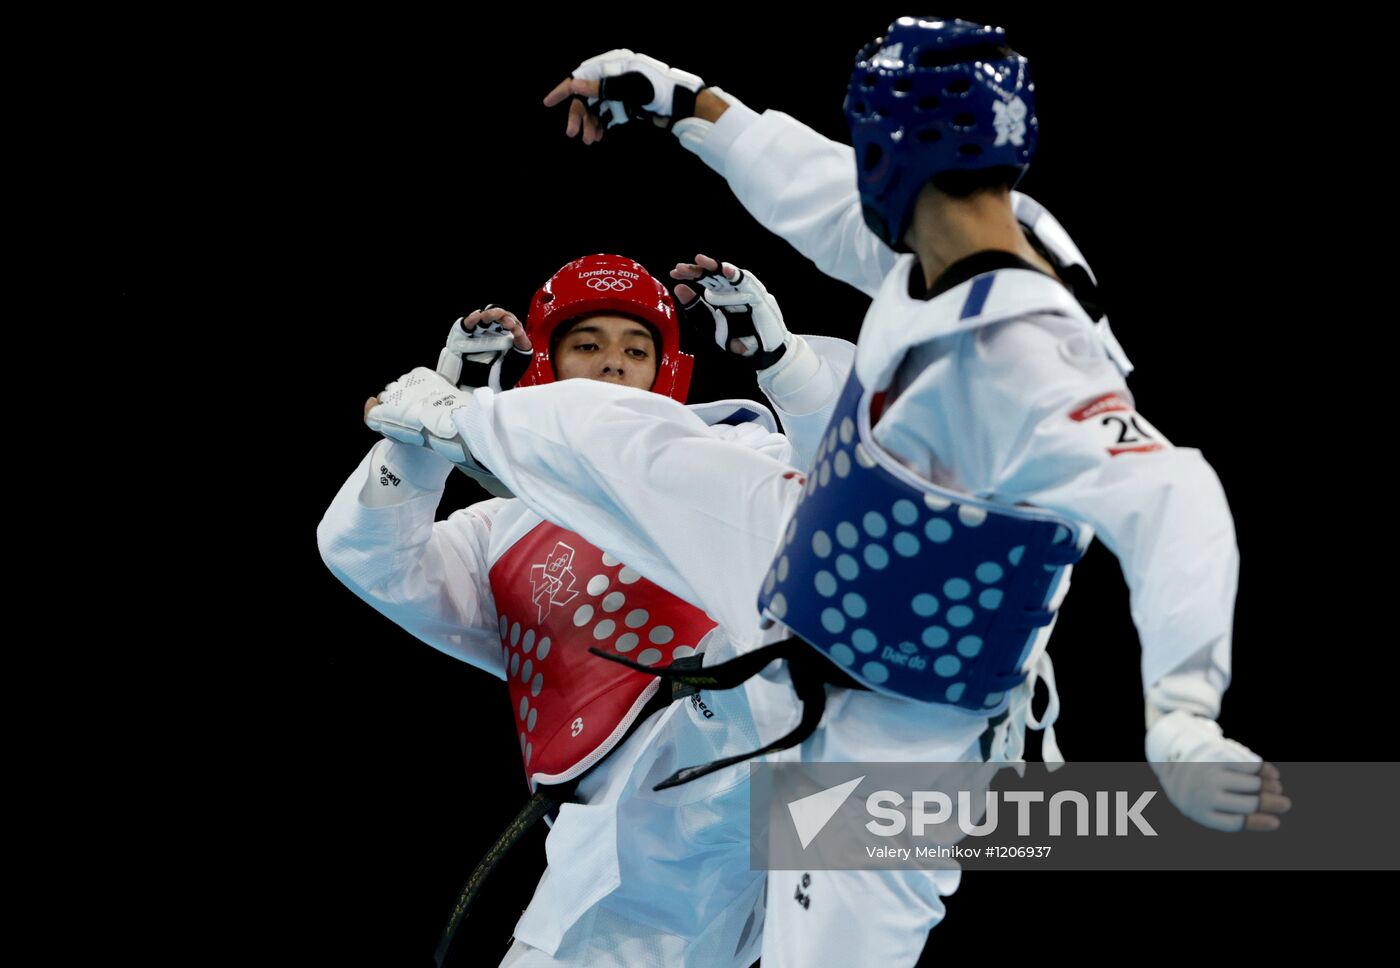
x=610, y=283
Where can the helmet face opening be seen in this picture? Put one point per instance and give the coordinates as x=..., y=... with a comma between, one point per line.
x=604, y=339
x=613, y=285
x=566, y=326
x=935, y=99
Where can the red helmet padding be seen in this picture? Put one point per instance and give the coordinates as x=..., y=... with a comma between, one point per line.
x=607, y=284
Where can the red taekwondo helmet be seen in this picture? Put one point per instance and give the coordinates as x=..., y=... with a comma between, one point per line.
x=607, y=284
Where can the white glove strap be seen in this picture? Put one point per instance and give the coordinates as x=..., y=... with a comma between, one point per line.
x=693, y=131
x=785, y=380
x=1196, y=685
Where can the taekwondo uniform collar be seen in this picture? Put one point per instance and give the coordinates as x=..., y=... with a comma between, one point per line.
x=967, y=268
x=734, y=412
x=987, y=297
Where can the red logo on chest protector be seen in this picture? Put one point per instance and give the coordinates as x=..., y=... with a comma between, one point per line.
x=552, y=581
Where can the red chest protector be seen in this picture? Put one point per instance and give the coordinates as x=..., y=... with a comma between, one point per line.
x=558, y=596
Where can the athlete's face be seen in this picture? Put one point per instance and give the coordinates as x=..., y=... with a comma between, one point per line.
x=605, y=347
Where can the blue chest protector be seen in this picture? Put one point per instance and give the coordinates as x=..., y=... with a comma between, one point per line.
x=914, y=590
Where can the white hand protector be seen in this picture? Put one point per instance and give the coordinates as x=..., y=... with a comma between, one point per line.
x=735, y=306
x=481, y=343
x=417, y=409
x=1211, y=779
x=635, y=86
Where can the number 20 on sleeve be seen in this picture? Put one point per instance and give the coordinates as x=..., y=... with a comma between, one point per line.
x=1121, y=428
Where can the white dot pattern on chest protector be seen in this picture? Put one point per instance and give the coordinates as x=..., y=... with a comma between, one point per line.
x=924, y=604
x=875, y=525
x=971, y=515
x=859, y=542
x=864, y=640
x=947, y=666
x=598, y=584
x=841, y=464
x=936, y=502
x=833, y=621
x=875, y=672
x=583, y=615
x=854, y=605
x=969, y=646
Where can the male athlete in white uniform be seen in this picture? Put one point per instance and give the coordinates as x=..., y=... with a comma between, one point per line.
x=524, y=599
x=986, y=380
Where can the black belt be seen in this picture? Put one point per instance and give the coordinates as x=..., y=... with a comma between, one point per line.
x=811, y=673
x=546, y=801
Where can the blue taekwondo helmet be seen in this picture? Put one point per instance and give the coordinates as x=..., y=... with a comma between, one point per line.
x=934, y=97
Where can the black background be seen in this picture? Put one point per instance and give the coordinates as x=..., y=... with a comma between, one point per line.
x=385, y=175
